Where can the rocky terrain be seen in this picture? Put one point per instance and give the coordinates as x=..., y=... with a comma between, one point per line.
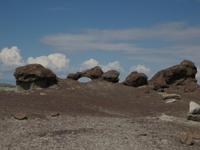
x=45, y=112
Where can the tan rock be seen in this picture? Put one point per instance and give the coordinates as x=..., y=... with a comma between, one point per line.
x=20, y=116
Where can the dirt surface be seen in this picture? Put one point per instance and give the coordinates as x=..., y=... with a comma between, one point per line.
x=95, y=115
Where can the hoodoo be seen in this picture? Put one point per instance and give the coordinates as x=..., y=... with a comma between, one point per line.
x=34, y=75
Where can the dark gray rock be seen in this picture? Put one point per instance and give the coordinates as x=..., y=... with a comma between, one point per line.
x=193, y=117
x=93, y=73
x=111, y=76
x=175, y=75
x=74, y=76
x=136, y=79
x=34, y=75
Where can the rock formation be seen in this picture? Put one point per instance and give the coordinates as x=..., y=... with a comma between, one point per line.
x=74, y=76
x=34, y=75
x=111, y=76
x=136, y=79
x=176, y=75
x=93, y=73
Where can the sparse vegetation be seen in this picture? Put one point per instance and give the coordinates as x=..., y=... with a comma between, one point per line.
x=7, y=89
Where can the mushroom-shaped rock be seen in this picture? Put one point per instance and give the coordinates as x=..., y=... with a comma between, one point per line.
x=111, y=76
x=34, y=75
x=136, y=79
x=74, y=76
x=93, y=73
x=177, y=75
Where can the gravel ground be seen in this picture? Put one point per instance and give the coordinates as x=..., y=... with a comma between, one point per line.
x=95, y=133
x=96, y=116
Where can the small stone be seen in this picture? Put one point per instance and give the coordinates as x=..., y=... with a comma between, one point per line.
x=42, y=93
x=193, y=117
x=143, y=134
x=55, y=114
x=165, y=141
x=20, y=116
x=186, y=138
x=194, y=108
x=166, y=96
x=170, y=101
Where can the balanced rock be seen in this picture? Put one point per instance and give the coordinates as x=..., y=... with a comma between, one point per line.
x=34, y=75
x=136, y=79
x=111, y=76
x=93, y=73
x=175, y=75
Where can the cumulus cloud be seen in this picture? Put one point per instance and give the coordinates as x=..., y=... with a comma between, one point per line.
x=115, y=65
x=54, y=61
x=90, y=63
x=11, y=56
x=141, y=69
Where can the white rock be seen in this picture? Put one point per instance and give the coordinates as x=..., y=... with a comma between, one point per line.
x=194, y=108
x=169, y=96
x=172, y=100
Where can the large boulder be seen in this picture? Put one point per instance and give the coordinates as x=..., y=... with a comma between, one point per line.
x=136, y=79
x=175, y=75
x=34, y=75
x=93, y=73
x=111, y=76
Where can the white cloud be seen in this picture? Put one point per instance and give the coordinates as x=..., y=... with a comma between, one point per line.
x=115, y=65
x=167, y=42
x=122, y=39
x=55, y=61
x=11, y=56
x=141, y=69
x=90, y=63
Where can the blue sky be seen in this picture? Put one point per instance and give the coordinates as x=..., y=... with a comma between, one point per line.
x=69, y=35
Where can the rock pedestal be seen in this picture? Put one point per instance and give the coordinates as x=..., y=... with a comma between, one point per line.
x=34, y=76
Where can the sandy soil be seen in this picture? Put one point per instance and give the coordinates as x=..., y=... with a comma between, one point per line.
x=95, y=115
